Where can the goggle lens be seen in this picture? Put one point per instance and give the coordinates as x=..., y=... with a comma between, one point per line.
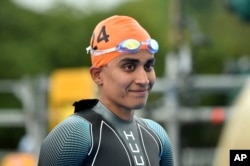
x=129, y=46
x=153, y=46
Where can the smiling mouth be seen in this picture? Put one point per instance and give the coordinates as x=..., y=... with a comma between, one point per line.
x=139, y=90
x=140, y=93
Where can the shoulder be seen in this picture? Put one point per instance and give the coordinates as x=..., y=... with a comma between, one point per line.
x=155, y=126
x=71, y=124
x=69, y=139
x=73, y=128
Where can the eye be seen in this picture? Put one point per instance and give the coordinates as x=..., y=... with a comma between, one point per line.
x=129, y=67
x=149, y=67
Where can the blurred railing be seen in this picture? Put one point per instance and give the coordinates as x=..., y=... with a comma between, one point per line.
x=32, y=115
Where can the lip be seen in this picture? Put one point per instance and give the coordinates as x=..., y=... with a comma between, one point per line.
x=140, y=92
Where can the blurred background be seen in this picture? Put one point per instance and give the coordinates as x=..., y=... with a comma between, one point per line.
x=202, y=72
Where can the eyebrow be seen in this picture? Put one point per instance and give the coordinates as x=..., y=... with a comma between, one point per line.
x=151, y=60
x=136, y=61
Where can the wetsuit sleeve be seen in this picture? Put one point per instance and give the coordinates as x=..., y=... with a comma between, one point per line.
x=167, y=154
x=67, y=144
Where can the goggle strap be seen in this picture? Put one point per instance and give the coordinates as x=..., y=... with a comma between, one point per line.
x=100, y=52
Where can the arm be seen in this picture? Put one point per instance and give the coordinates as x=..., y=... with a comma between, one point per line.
x=166, y=155
x=67, y=144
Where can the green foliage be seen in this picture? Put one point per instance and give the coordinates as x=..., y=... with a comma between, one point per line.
x=8, y=100
x=38, y=43
x=33, y=43
x=10, y=137
x=227, y=35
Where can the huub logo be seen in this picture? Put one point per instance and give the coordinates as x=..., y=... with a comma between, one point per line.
x=134, y=148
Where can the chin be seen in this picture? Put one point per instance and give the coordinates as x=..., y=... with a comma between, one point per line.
x=139, y=105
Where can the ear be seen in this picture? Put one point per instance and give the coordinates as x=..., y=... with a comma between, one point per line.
x=95, y=73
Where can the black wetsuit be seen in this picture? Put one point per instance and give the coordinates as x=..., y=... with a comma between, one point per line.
x=94, y=136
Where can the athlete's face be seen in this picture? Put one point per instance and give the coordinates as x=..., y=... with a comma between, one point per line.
x=127, y=80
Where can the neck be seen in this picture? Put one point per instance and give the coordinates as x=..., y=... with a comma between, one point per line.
x=120, y=111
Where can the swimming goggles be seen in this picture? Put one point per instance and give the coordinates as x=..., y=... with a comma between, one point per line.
x=128, y=46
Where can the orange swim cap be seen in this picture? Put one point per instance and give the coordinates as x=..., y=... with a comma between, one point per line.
x=110, y=32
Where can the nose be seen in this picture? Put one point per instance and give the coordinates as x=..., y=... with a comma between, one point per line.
x=142, y=77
